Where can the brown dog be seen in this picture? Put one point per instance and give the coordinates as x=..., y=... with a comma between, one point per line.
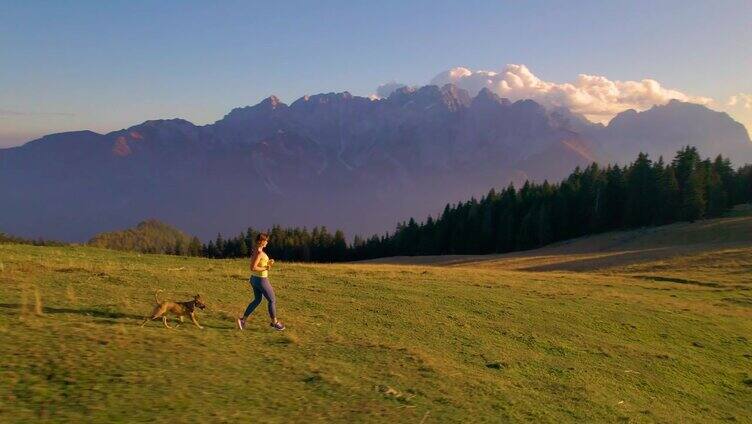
x=179, y=309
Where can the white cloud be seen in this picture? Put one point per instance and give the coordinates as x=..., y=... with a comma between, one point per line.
x=742, y=100
x=596, y=97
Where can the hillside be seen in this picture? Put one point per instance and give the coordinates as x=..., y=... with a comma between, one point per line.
x=612, y=250
x=149, y=236
x=668, y=342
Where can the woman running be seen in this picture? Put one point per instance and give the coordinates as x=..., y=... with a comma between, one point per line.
x=260, y=265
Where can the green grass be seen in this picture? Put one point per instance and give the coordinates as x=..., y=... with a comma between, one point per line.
x=374, y=343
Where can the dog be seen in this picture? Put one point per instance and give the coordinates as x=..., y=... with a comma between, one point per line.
x=179, y=309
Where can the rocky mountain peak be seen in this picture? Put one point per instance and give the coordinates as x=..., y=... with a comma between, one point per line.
x=455, y=97
x=264, y=108
x=272, y=102
x=487, y=98
x=323, y=98
x=449, y=97
x=408, y=154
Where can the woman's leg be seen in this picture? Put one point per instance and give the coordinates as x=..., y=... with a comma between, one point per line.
x=268, y=292
x=256, y=298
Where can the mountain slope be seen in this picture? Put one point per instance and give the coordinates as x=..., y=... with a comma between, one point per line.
x=329, y=159
x=661, y=129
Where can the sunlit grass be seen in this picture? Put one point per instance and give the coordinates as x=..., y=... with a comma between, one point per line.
x=375, y=343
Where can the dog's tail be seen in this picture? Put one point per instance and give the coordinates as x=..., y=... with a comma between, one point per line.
x=156, y=299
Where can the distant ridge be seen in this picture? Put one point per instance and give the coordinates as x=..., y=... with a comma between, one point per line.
x=344, y=161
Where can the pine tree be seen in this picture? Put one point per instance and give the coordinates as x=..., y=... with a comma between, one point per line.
x=614, y=198
x=506, y=210
x=716, y=195
x=211, y=250
x=339, y=247
x=743, y=184
x=242, y=247
x=527, y=236
x=693, y=202
x=194, y=248
x=488, y=222
x=684, y=164
x=640, y=192
x=722, y=167
x=545, y=235
x=219, y=246
x=179, y=247
x=670, y=199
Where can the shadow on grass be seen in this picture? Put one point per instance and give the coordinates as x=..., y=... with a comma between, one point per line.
x=109, y=317
x=677, y=280
x=87, y=312
x=605, y=260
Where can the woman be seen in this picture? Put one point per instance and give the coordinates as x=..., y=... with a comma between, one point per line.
x=260, y=265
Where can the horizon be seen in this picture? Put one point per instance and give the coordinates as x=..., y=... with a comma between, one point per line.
x=97, y=67
x=372, y=98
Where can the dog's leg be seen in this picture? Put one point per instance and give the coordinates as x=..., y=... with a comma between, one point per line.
x=179, y=322
x=156, y=313
x=164, y=321
x=193, y=318
x=152, y=318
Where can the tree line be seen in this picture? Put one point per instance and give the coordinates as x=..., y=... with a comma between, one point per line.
x=288, y=244
x=9, y=239
x=588, y=201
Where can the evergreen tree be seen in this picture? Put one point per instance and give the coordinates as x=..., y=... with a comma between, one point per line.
x=716, y=195
x=211, y=250
x=684, y=164
x=693, y=201
x=743, y=184
x=339, y=247
x=250, y=237
x=527, y=236
x=243, y=247
x=179, y=247
x=641, y=197
x=670, y=199
x=722, y=167
x=194, y=248
x=545, y=235
x=505, y=231
x=614, y=198
x=219, y=246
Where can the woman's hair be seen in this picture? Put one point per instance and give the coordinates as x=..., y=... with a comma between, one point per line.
x=261, y=237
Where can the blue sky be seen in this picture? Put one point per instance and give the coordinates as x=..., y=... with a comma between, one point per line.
x=108, y=65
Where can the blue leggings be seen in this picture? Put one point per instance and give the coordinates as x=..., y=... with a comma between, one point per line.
x=262, y=287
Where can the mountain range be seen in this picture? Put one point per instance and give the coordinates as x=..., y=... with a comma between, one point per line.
x=344, y=161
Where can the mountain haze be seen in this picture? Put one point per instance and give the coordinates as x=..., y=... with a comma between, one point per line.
x=332, y=159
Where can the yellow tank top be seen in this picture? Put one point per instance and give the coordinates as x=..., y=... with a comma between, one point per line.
x=263, y=262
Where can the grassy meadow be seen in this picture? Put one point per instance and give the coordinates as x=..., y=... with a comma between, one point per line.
x=636, y=338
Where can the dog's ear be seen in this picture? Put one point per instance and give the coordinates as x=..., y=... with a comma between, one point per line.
x=197, y=297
